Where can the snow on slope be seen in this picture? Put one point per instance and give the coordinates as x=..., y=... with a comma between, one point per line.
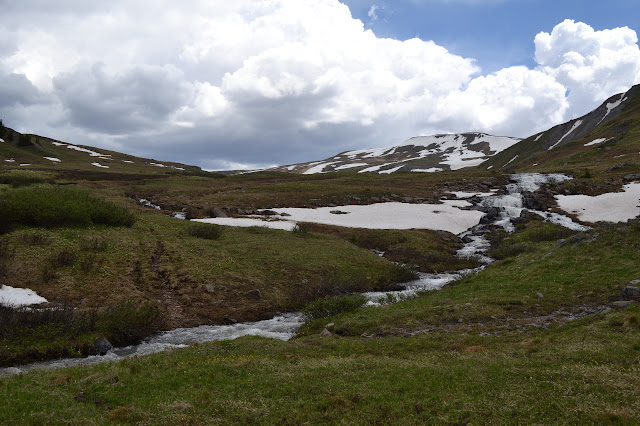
x=422, y=153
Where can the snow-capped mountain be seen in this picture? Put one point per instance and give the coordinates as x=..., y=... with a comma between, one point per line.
x=418, y=154
x=541, y=147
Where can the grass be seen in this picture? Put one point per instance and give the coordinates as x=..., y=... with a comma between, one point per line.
x=51, y=206
x=586, y=372
x=333, y=305
x=207, y=231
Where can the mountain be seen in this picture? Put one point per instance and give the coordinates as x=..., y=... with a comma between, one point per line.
x=418, y=154
x=605, y=135
x=27, y=151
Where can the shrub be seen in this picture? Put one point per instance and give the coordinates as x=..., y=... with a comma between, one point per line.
x=333, y=305
x=50, y=207
x=62, y=258
x=301, y=228
x=15, y=322
x=508, y=248
x=207, y=231
x=35, y=239
x=94, y=244
x=129, y=322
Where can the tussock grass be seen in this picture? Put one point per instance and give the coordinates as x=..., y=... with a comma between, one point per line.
x=51, y=206
x=208, y=231
x=333, y=305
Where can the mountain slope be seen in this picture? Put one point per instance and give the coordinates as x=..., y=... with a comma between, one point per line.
x=26, y=151
x=422, y=153
x=578, y=141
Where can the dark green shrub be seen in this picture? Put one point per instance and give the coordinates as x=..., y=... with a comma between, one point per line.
x=52, y=206
x=18, y=178
x=129, y=322
x=15, y=322
x=333, y=305
x=207, y=231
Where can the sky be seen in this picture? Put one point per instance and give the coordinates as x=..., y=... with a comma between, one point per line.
x=255, y=83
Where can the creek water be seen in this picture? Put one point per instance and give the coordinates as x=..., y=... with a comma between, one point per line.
x=283, y=327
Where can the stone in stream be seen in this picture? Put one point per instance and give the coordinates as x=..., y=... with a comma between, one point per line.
x=101, y=346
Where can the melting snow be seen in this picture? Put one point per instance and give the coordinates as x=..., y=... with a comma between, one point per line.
x=10, y=160
x=57, y=160
x=16, y=297
x=350, y=166
x=510, y=161
x=574, y=127
x=88, y=151
x=611, y=207
x=611, y=106
x=539, y=136
x=465, y=194
x=99, y=165
x=595, y=142
x=431, y=170
x=389, y=171
x=127, y=161
x=25, y=164
x=318, y=169
x=244, y=222
x=1, y=140
x=58, y=143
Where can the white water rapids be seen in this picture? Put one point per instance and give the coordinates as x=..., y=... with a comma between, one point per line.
x=285, y=326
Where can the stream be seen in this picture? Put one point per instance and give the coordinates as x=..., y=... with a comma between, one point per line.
x=506, y=208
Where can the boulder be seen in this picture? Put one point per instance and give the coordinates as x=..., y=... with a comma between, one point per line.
x=101, y=346
x=620, y=304
x=325, y=332
x=253, y=294
x=630, y=293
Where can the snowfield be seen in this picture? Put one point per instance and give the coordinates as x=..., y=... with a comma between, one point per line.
x=16, y=297
x=611, y=207
x=444, y=217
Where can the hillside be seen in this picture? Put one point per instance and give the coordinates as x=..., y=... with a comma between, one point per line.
x=33, y=152
x=605, y=137
x=418, y=154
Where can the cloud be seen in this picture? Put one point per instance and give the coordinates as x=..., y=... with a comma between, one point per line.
x=373, y=16
x=592, y=65
x=277, y=81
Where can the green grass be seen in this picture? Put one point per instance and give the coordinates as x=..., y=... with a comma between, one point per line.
x=583, y=373
x=51, y=206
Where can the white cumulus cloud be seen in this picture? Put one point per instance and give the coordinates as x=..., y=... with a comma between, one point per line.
x=260, y=82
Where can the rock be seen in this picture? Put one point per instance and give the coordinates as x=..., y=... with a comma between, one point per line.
x=634, y=282
x=218, y=213
x=630, y=293
x=266, y=213
x=620, y=304
x=229, y=321
x=338, y=212
x=325, y=332
x=253, y=294
x=284, y=214
x=208, y=288
x=540, y=295
x=101, y=346
x=529, y=202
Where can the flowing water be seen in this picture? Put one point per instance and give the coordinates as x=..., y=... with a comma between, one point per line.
x=284, y=327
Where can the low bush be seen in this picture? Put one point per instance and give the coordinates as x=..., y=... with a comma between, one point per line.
x=207, y=231
x=333, y=305
x=94, y=244
x=129, y=322
x=301, y=228
x=62, y=258
x=34, y=239
x=65, y=319
x=509, y=248
x=51, y=206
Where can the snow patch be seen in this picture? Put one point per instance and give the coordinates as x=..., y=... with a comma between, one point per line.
x=389, y=171
x=10, y=160
x=431, y=170
x=244, y=222
x=99, y=165
x=128, y=161
x=574, y=127
x=510, y=161
x=25, y=164
x=88, y=151
x=57, y=160
x=16, y=297
x=597, y=141
x=611, y=207
x=58, y=143
x=611, y=106
x=539, y=136
x=319, y=168
x=350, y=166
